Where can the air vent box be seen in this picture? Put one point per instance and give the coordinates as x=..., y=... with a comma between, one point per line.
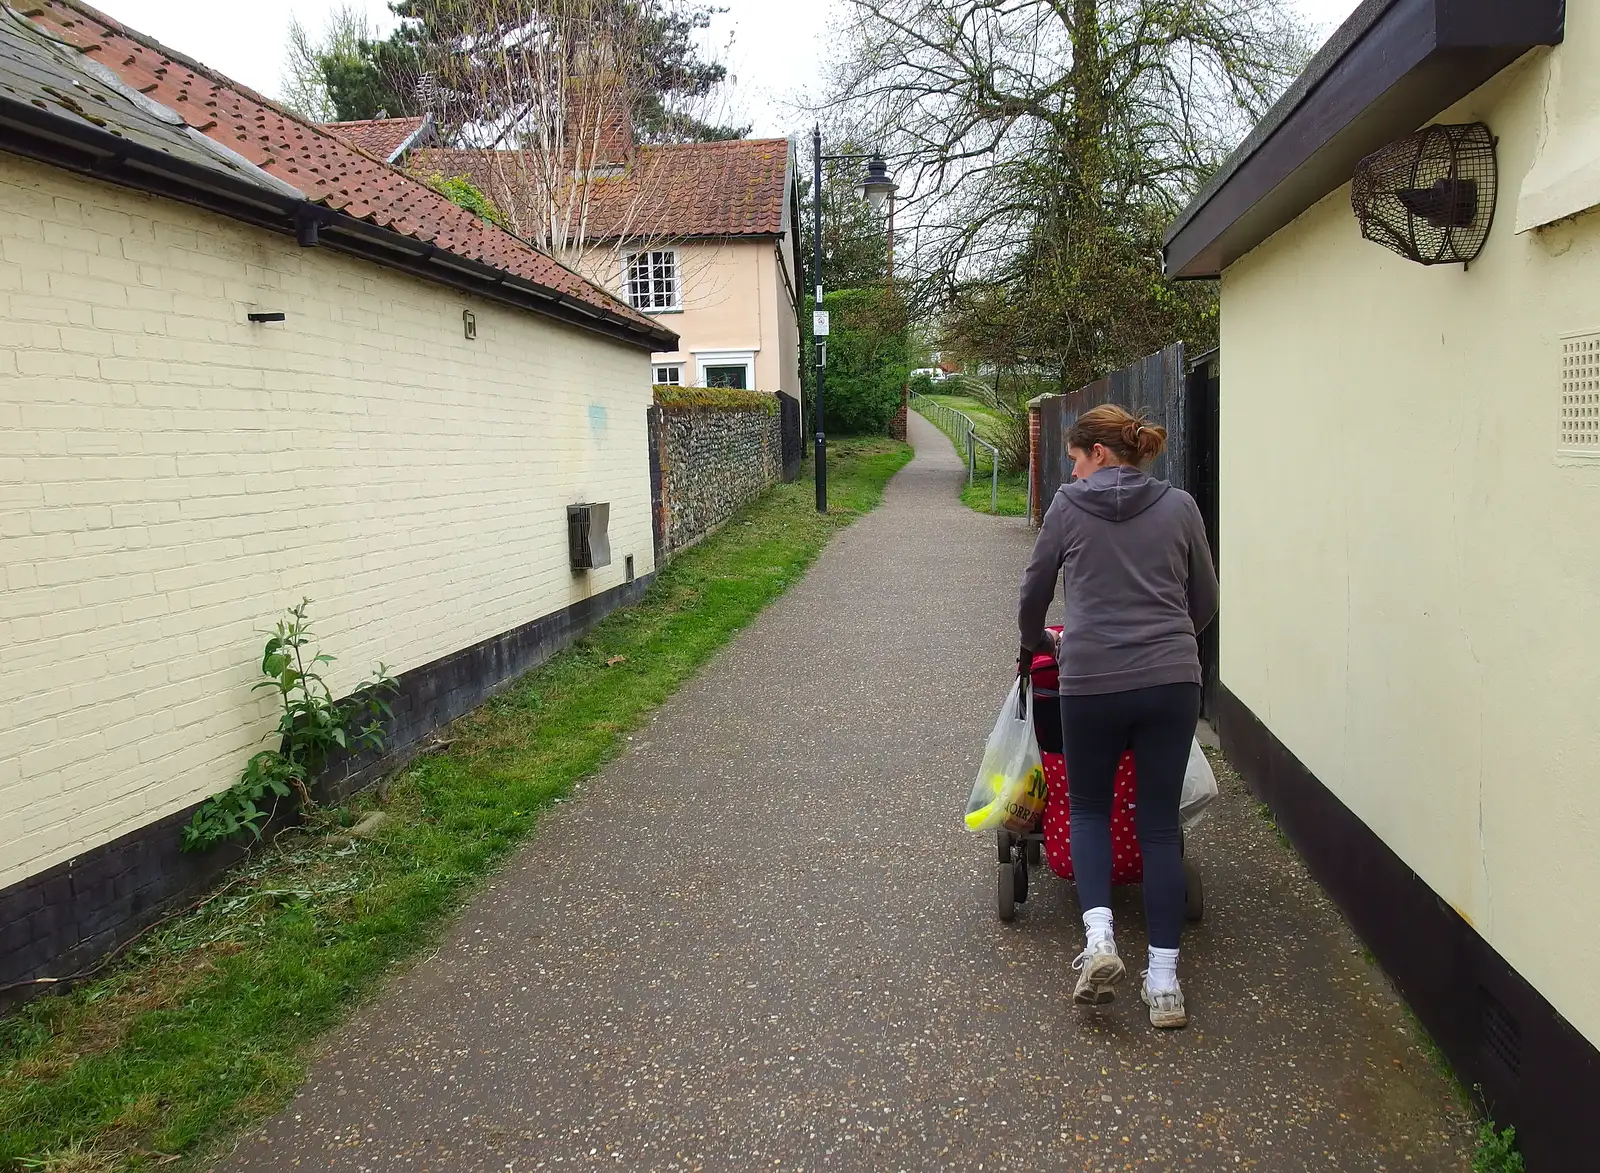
x=588, y=535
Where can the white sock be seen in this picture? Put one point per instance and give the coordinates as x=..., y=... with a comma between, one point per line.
x=1163, y=969
x=1097, y=926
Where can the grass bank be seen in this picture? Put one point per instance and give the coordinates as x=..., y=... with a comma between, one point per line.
x=205, y=1025
x=982, y=414
x=1013, y=493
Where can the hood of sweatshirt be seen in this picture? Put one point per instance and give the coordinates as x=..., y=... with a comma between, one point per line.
x=1116, y=493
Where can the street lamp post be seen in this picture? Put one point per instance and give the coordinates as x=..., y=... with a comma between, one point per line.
x=876, y=186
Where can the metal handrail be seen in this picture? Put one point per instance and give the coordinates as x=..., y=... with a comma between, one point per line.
x=963, y=433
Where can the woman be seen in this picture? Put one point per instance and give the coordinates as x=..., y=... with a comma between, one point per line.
x=1139, y=585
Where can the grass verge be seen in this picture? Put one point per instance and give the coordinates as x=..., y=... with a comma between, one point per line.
x=205, y=1025
x=1013, y=494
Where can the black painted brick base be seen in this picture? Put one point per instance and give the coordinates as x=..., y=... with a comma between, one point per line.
x=1531, y=1069
x=435, y=694
x=59, y=921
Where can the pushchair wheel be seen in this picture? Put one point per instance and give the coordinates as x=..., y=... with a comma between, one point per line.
x=1194, y=892
x=1035, y=852
x=1003, y=841
x=1006, y=905
x=1019, y=872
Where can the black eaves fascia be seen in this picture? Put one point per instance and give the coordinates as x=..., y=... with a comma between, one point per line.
x=1388, y=69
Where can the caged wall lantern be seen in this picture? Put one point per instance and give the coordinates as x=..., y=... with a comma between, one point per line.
x=1430, y=196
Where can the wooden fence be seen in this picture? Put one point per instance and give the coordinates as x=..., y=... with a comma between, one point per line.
x=1182, y=398
x=1153, y=386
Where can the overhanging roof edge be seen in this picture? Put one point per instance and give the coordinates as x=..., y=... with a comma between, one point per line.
x=1390, y=67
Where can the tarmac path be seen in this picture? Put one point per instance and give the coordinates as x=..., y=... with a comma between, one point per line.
x=762, y=940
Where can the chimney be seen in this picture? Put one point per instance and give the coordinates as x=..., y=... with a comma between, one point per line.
x=599, y=122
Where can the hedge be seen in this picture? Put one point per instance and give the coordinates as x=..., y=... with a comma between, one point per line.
x=715, y=399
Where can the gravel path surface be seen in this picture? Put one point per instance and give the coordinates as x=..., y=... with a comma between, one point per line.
x=762, y=940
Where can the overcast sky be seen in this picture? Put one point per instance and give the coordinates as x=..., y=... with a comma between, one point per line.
x=772, y=47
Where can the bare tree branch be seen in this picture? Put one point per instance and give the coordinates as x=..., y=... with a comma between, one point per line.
x=1042, y=144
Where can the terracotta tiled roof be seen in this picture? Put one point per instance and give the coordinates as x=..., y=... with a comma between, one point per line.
x=325, y=168
x=379, y=136
x=54, y=88
x=732, y=188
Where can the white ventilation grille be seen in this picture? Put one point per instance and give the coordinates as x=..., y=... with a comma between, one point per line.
x=1580, y=395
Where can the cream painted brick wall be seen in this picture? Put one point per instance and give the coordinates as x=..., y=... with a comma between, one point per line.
x=172, y=477
x=1410, y=568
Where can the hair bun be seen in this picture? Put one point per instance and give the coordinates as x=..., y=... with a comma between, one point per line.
x=1133, y=440
x=1149, y=440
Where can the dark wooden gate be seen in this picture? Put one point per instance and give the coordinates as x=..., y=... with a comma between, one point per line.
x=792, y=445
x=1202, y=413
x=654, y=424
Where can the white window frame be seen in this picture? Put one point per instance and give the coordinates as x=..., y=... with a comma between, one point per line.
x=677, y=370
x=656, y=300
x=725, y=358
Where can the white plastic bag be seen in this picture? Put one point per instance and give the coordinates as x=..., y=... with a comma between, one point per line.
x=1199, y=786
x=1010, y=788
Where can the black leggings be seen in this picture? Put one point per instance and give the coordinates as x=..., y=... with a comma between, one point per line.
x=1158, y=725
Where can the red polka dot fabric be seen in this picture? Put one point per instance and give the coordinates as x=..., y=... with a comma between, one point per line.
x=1127, y=864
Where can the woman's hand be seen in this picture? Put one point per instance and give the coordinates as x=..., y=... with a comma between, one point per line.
x=1052, y=645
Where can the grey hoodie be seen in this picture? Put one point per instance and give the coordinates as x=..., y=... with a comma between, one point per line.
x=1137, y=578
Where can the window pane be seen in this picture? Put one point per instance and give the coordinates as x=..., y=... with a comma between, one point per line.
x=652, y=280
x=671, y=376
x=726, y=377
x=638, y=282
x=666, y=279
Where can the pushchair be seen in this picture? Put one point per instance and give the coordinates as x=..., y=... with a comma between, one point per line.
x=1050, y=842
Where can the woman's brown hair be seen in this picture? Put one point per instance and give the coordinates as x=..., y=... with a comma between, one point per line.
x=1131, y=439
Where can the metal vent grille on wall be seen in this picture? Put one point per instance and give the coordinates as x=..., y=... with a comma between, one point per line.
x=1580, y=395
x=1502, y=1034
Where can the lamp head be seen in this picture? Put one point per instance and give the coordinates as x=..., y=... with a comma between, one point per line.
x=878, y=184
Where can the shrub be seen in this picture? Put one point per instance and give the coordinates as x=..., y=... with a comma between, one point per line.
x=311, y=725
x=921, y=383
x=868, y=361
x=461, y=191
x=1497, y=1151
x=715, y=398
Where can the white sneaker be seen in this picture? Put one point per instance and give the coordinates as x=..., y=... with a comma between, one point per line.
x=1166, y=1006
x=1099, y=968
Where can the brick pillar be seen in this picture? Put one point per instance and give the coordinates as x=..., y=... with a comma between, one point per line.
x=897, y=426
x=1036, y=510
